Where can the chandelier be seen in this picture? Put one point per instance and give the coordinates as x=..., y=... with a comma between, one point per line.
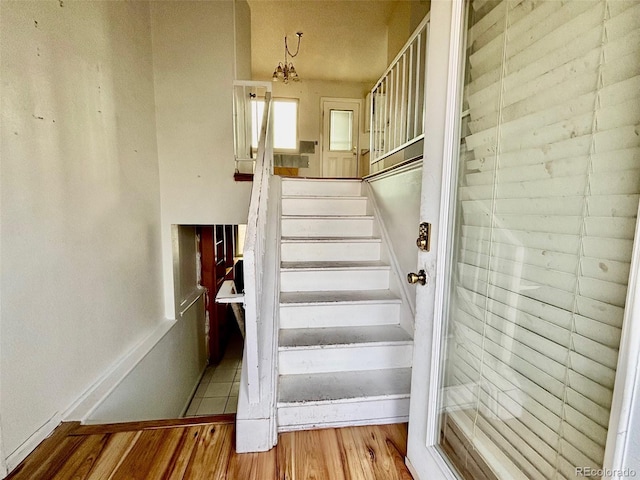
x=286, y=72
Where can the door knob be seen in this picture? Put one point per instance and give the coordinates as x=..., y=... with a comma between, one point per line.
x=419, y=277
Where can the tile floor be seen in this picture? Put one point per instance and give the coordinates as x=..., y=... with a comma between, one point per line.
x=217, y=392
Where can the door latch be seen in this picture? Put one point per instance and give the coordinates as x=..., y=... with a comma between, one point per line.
x=424, y=237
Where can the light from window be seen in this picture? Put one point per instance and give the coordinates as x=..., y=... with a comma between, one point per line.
x=285, y=123
x=340, y=134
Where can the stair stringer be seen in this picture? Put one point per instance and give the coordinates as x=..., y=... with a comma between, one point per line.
x=256, y=423
x=397, y=278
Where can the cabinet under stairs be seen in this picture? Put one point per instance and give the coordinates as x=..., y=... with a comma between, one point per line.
x=344, y=357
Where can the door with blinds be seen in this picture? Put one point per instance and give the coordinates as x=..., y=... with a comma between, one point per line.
x=548, y=182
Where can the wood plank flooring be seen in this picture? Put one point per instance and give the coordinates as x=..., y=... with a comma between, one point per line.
x=203, y=448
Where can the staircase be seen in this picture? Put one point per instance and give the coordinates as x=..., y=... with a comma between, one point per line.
x=343, y=357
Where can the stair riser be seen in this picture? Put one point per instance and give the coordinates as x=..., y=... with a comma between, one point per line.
x=324, y=206
x=308, y=416
x=321, y=188
x=343, y=359
x=338, y=315
x=352, y=279
x=327, y=227
x=328, y=251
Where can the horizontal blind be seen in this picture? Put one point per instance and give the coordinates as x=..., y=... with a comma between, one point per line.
x=546, y=210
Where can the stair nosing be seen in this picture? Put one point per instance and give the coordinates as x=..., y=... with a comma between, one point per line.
x=374, y=343
x=323, y=217
x=290, y=239
x=372, y=398
x=324, y=197
x=391, y=301
x=332, y=265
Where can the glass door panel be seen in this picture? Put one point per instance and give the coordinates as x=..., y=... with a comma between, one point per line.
x=545, y=211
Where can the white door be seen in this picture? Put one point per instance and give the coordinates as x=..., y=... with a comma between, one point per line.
x=340, y=132
x=531, y=182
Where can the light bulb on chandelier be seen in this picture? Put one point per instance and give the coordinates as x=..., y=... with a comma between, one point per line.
x=286, y=72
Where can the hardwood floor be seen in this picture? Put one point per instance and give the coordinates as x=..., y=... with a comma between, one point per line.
x=203, y=448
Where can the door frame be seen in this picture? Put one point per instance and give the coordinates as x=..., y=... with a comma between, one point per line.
x=424, y=457
x=360, y=127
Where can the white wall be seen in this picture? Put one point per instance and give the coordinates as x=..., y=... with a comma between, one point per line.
x=404, y=19
x=398, y=198
x=80, y=221
x=193, y=64
x=243, y=39
x=162, y=383
x=309, y=93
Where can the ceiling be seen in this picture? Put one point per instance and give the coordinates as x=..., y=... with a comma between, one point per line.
x=344, y=40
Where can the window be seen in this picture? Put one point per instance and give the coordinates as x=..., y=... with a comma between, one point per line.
x=341, y=135
x=285, y=123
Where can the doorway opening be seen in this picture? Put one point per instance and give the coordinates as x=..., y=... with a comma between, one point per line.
x=219, y=272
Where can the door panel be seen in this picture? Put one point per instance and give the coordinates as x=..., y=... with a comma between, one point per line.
x=340, y=132
x=537, y=258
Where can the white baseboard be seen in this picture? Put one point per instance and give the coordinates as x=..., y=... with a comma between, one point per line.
x=85, y=405
x=17, y=456
x=253, y=435
x=88, y=401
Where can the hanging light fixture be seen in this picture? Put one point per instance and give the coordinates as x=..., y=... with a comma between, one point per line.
x=286, y=72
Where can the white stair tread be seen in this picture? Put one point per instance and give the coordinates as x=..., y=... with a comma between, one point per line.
x=345, y=386
x=327, y=217
x=330, y=239
x=320, y=180
x=342, y=296
x=331, y=265
x=342, y=336
x=324, y=197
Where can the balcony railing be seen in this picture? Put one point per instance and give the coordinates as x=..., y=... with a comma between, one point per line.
x=397, y=100
x=243, y=122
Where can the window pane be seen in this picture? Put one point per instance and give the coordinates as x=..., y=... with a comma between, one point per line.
x=285, y=121
x=340, y=136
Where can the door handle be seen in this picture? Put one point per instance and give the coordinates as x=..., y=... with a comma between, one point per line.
x=420, y=277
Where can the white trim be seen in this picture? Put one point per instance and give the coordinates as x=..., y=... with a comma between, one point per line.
x=449, y=175
x=406, y=166
x=20, y=453
x=627, y=383
x=441, y=100
x=268, y=86
x=191, y=299
x=276, y=190
x=397, y=149
x=625, y=392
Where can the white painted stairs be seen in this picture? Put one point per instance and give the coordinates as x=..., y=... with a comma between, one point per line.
x=343, y=357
